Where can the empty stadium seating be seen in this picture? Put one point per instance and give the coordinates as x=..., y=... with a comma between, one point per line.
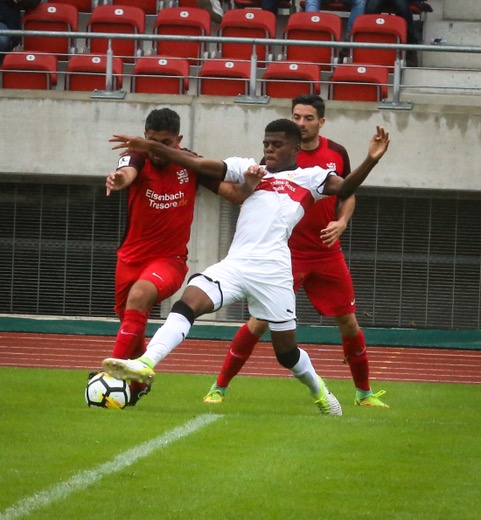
x=88, y=72
x=317, y=27
x=148, y=6
x=224, y=78
x=154, y=74
x=83, y=6
x=116, y=19
x=246, y=23
x=288, y=80
x=182, y=21
x=359, y=83
x=377, y=28
x=51, y=16
x=37, y=71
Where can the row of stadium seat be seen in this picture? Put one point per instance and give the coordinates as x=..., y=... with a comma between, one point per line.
x=152, y=7
x=216, y=77
x=245, y=23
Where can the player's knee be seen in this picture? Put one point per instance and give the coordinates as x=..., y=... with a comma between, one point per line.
x=257, y=327
x=289, y=359
x=182, y=308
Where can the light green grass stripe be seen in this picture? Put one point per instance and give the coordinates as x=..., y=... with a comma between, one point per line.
x=84, y=479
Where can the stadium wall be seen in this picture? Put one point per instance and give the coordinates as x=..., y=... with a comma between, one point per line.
x=66, y=133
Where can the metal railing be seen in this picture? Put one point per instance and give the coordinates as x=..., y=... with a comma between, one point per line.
x=397, y=75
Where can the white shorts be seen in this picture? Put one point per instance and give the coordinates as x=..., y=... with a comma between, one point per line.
x=266, y=285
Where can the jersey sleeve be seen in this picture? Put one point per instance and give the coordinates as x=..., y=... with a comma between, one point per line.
x=236, y=166
x=133, y=160
x=319, y=178
x=209, y=183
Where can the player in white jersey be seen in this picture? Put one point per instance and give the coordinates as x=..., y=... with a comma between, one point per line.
x=257, y=266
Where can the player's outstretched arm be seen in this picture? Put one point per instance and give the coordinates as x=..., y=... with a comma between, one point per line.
x=238, y=193
x=210, y=167
x=343, y=188
x=120, y=179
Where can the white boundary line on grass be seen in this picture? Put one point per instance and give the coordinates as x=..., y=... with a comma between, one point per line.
x=84, y=479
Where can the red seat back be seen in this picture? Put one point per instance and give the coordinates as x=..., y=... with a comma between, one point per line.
x=316, y=27
x=116, y=19
x=160, y=75
x=50, y=17
x=246, y=23
x=289, y=80
x=224, y=78
x=359, y=83
x=378, y=28
x=182, y=21
x=36, y=71
x=148, y=6
x=89, y=72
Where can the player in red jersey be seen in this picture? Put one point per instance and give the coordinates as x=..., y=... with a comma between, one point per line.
x=318, y=263
x=151, y=261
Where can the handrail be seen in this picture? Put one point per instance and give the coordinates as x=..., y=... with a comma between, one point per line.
x=397, y=76
x=470, y=49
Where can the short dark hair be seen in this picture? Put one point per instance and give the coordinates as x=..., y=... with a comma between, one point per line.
x=163, y=119
x=289, y=128
x=313, y=100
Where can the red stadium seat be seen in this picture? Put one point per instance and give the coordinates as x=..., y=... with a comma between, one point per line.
x=224, y=78
x=83, y=6
x=289, y=80
x=36, y=71
x=116, y=19
x=160, y=75
x=88, y=72
x=148, y=6
x=51, y=17
x=183, y=21
x=317, y=27
x=359, y=83
x=378, y=28
x=246, y=23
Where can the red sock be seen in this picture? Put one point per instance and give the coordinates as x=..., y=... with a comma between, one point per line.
x=130, y=337
x=240, y=349
x=355, y=354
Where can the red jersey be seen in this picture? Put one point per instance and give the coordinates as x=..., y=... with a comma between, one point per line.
x=160, y=210
x=305, y=241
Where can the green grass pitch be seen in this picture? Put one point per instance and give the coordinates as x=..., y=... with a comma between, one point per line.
x=266, y=454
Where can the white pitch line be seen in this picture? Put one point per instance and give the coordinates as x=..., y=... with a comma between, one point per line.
x=84, y=479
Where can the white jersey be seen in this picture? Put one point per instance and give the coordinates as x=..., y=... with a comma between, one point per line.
x=269, y=215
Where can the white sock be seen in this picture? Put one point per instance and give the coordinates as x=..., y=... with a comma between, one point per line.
x=172, y=333
x=305, y=373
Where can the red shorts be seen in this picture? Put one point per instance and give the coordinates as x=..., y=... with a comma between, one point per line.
x=328, y=284
x=167, y=275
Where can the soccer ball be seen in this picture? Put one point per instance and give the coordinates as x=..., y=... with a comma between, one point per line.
x=105, y=391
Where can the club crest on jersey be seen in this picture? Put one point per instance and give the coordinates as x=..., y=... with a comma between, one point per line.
x=331, y=166
x=182, y=176
x=124, y=161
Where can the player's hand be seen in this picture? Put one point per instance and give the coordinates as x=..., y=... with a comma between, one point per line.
x=129, y=143
x=252, y=177
x=379, y=143
x=114, y=182
x=332, y=232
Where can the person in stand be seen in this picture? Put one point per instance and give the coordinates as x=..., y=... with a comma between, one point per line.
x=152, y=258
x=11, y=19
x=258, y=264
x=399, y=8
x=214, y=8
x=357, y=8
x=318, y=262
